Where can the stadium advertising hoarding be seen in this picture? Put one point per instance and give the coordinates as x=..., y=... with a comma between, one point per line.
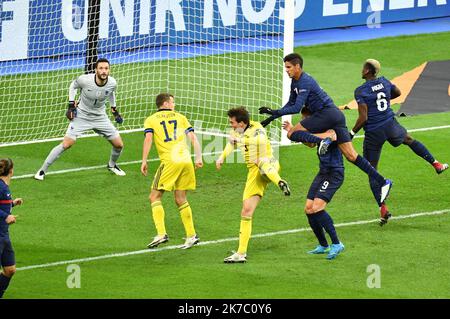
x=42, y=28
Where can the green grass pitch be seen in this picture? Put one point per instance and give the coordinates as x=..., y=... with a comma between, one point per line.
x=93, y=213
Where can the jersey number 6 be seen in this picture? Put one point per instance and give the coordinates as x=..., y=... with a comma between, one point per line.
x=382, y=103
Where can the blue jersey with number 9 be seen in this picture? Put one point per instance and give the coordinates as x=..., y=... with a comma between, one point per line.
x=376, y=94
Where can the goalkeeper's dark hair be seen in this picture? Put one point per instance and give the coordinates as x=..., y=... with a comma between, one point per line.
x=371, y=68
x=240, y=114
x=161, y=98
x=6, y=165
x=294, y=59
x=100, y=61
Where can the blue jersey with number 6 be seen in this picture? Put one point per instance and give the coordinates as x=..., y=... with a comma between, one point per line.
x=376, y=94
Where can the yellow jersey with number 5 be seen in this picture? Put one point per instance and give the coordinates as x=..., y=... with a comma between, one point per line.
x=169, y=130
x=254, y=144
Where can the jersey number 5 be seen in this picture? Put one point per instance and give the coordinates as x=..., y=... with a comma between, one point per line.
x=164, y=125
x=382, y=103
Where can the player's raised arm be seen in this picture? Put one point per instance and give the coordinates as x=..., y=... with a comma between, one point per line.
x=146, y=150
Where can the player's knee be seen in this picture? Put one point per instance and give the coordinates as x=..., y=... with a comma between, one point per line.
x=317, y=208
x=9, y=271
x=408, y=140
x=246, y=212
x=67, y=145
x=180, y=200
x=154, y=197
x=351, y=156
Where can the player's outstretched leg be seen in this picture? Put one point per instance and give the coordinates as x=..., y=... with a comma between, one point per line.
x=54, y=154
x=420, y=150
x=363, y=164
x=270, y=170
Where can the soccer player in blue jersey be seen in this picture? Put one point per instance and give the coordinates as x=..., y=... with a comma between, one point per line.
x=7, y=258
x=325, y=185
x=305, y=91
x=379, y=123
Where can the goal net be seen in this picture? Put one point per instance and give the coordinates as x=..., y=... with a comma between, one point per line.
x=211, y=55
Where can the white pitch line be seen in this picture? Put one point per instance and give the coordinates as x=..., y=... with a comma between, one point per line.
x=79, y=169
x=218, y=241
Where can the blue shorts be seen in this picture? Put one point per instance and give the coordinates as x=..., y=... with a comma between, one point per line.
x=326, y=183
x=391, y=131
x=7, y=257
x=325, y=119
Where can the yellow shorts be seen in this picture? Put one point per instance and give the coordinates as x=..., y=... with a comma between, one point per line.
x=174, y=176
x=256, y=182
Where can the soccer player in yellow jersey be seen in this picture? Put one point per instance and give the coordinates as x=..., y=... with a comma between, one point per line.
x=263, y=168
x=169, y=129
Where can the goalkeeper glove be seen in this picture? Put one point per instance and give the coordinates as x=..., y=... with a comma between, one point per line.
x=116, y=115
x=71, y=112
x=267, y=121
x=265, y=110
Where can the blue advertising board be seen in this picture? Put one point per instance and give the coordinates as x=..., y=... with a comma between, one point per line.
x=54, y=28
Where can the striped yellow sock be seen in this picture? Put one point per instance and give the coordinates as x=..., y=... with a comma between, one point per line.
x=271, y=172
x=158, y=218
x=244, y=234
x=186, y=217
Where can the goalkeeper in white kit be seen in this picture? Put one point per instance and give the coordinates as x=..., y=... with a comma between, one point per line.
x=89, y=114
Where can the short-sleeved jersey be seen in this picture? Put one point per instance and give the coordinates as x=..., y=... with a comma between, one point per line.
x=376, y=94
x=5, y=207
x=254, y=143
x=92, y=97
x=305, y=92
x=332, y=159
x=169, y=130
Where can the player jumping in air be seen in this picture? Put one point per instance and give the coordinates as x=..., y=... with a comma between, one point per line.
x=305, y=91
x=379, y=123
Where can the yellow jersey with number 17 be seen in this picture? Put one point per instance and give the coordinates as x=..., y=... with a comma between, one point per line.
x=169, y=130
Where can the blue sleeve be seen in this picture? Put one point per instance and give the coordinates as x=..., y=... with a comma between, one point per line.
x=359, y=97
x=293, y=108
x=3, y=214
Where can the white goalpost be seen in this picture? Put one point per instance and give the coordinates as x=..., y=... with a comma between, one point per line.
x=211, y=55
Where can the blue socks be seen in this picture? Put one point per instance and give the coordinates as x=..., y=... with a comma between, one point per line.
x=327, y=223
x=305, y=137
x=376, y=190
x=365, y=166
x=422, y=151
x=320, y=221
x=4, y=283
x=317, y=229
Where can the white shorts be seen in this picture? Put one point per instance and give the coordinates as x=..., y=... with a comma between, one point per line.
x=100, y=125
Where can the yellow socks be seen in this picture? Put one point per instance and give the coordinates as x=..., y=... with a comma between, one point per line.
x=244, y=234
x=158, y=218
x=186, y=217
